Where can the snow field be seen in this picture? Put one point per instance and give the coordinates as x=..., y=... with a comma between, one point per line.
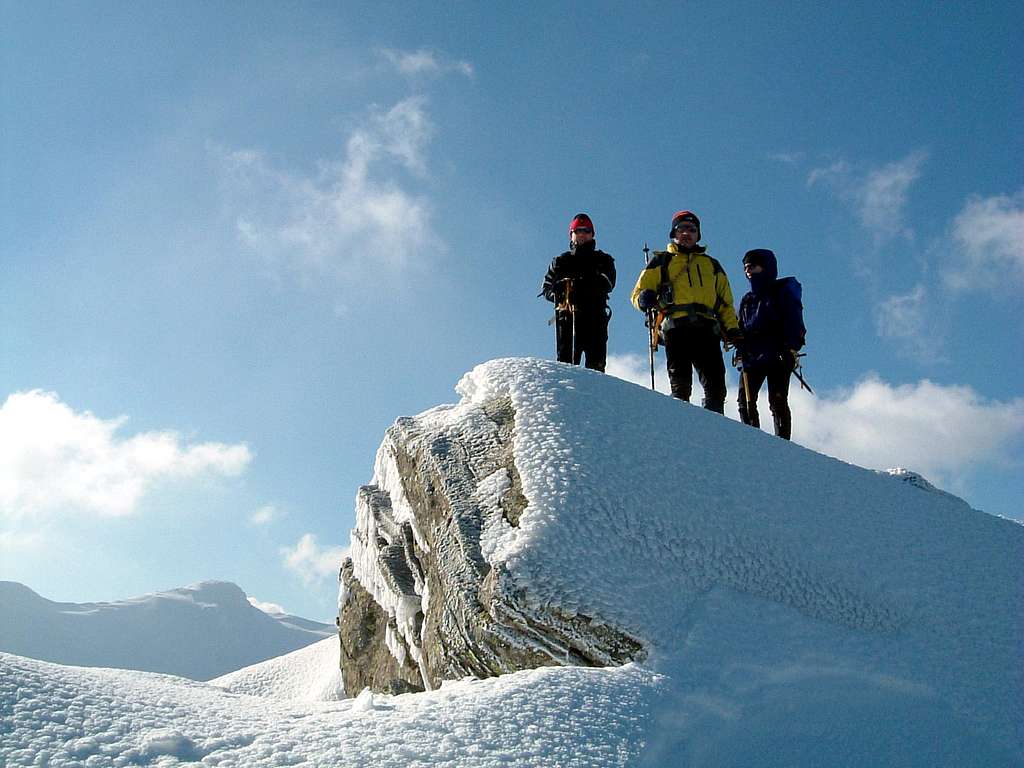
x=547, y=717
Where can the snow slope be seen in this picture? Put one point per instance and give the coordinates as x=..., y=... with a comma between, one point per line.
x=199, y=631
x=308, y=674
x=547, y=717
x=797, y=611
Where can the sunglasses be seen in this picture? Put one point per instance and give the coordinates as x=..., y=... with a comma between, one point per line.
x=583, y=231
x=685, y=227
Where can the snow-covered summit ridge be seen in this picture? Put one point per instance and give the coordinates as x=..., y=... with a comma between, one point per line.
x=198, y=631
x=616, y=474
x=679, y=526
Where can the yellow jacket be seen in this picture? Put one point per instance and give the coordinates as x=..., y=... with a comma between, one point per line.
x=700, y=288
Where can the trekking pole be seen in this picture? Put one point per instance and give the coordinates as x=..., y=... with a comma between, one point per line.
x=567, y=305
x=652, y=340
x=737, y=362
x=569, y=298
x=751, y=402
x=799, y=377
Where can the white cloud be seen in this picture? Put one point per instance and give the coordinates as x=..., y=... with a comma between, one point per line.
x=790, y=158
x=270, y=608
x=402, y=132
x=637, y=369
x=54, y=460
x=878, y=196
x=350, y=219
x=882, y=196
x=22, y=542
x=905, y=320
x=838, y=173
x=265, y=515
x=990, y=235
x=425, y=62
x=944, y=432
x=311, y=562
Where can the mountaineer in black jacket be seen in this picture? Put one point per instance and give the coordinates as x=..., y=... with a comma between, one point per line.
x=578, y=282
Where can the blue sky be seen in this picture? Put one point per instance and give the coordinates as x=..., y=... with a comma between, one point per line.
x=240, y=240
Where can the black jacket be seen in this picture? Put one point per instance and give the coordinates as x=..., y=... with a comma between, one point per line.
x=591, y=271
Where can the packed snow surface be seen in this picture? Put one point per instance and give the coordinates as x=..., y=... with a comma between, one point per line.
x=308, y=674
x=56, y=715
x=797, y=611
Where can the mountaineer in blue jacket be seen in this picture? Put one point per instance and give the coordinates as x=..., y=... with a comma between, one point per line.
x=771, y=320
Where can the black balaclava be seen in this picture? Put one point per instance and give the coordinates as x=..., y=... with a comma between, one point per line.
x=761, y=282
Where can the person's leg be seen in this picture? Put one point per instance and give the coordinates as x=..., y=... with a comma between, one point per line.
x=711, y=369
x=778, y=400
x=563, y=337
x=594, y=339
x=748, y=412
x=679, y=363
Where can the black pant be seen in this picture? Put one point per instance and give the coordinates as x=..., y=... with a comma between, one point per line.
x=591, y=337
x=696, y=346
x=777, y=375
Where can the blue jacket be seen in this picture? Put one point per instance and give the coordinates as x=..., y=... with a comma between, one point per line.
x=771, y=316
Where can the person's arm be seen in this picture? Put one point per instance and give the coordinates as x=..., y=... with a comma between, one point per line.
x=550, y=289
x=725, y=310
x=648, y=280
x=609, y=273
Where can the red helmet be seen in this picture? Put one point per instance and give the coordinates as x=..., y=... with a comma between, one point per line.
x=581, y=220
x=681, y=216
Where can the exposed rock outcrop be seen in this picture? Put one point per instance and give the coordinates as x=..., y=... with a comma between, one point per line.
x=421, y=602
x=557, y=516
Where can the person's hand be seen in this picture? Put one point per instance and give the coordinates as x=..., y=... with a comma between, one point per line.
x=791, y=358
x=647, y=299
x=734, y=337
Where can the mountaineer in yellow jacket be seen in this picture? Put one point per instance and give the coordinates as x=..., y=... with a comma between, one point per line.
x=689, y=293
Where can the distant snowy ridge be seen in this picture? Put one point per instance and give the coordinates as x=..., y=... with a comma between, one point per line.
x=913, y=478
x=200, y=631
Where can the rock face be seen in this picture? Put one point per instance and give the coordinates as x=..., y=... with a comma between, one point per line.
x=420, y=600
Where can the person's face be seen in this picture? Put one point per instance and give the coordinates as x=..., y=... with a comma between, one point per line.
x=582, y=235
x=685, y=234
x=752, y=269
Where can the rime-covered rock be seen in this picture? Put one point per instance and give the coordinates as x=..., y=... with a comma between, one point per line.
x=558, y=516
x=421, y=600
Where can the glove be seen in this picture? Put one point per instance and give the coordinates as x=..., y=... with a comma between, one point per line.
x=647, y=299
x=734, y=337
x=791, y=358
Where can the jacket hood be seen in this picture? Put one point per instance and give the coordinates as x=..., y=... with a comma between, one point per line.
x=762, y=281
